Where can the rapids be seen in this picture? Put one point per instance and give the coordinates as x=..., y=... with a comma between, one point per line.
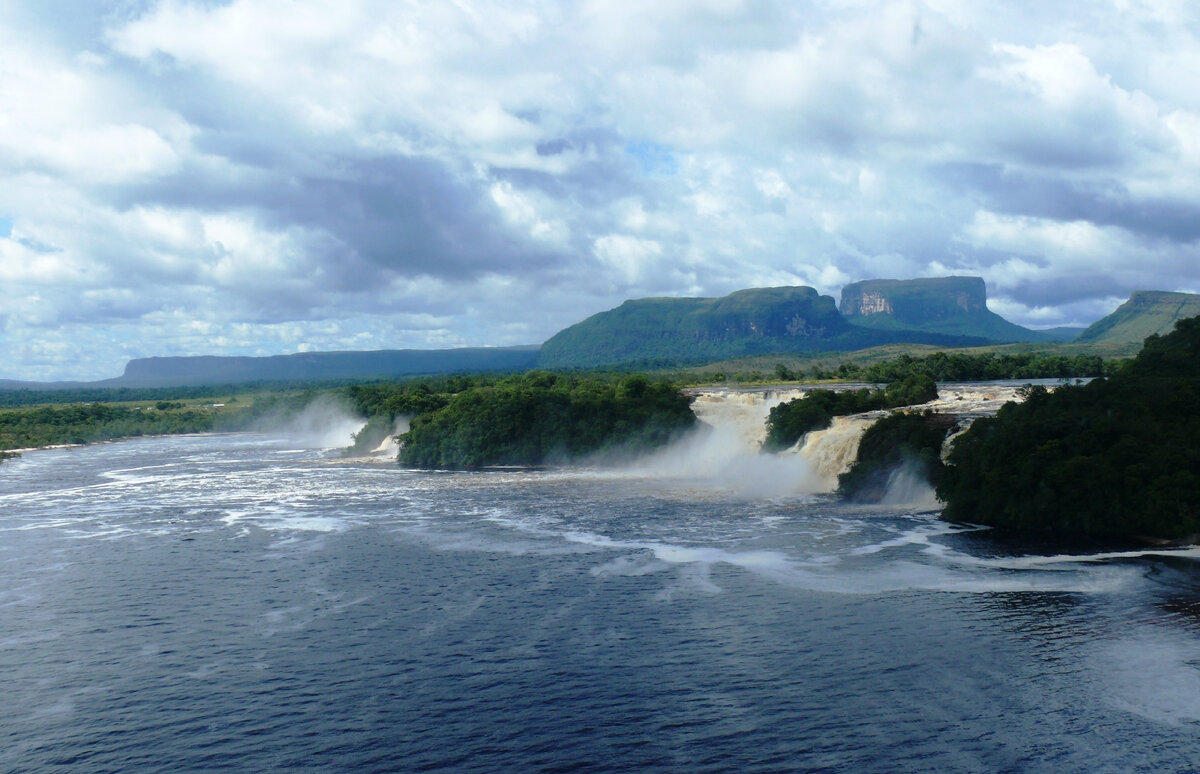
x=256, y=602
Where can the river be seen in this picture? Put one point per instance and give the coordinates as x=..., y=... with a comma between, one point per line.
x=254, y=603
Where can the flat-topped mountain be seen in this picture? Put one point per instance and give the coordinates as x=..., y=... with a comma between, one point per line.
x=672, y=331
x=1146, y=313
x=955, y=306
x=306, y=366
x=689, y=329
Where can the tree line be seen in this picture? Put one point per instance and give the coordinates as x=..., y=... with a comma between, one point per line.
x=788, y=422
x=541, y=417
x=1117, y=456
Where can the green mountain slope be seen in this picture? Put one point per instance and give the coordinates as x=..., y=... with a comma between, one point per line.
x=680, y=331
x=1147, y=312
x=955, y=306
x=693, y=329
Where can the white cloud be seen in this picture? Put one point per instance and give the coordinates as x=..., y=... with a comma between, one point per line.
x=250, y=176
x=631, y=257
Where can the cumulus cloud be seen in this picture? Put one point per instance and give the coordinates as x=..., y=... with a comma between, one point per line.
x=267, y=176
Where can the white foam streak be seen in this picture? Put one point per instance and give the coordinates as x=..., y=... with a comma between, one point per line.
x=1154, y=675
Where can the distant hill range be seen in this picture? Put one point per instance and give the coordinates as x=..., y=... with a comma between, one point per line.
x=1146, y=313
x=679, y=331
x=304, y=367
x=954, y=306
x=666, y=332
x=316, y=366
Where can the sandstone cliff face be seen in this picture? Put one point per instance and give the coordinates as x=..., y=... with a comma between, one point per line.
x=949, y=305
x=864, y=303
x=915, y=300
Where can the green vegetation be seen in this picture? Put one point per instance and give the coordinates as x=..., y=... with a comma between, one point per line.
x=955, y=306
x=1115, y=457
x=88, y=423
x=540, y=417
x=899, y=442
x=788, y=422
x=486, y=419
x=1146, y=313
x=384, y=404
x=29, y=397
x=960, y=367
x=78, y=423
x=884, y=364
x=661, y=333
x=673, y=331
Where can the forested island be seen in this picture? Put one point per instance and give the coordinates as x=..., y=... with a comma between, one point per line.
x=528, y=419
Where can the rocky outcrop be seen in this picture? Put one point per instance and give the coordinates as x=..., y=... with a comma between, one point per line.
x=915, y=300
x=949, y=305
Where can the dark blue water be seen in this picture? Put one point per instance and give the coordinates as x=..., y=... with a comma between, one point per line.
x=242, y=603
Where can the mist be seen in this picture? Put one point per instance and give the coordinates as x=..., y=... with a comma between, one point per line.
x=723, y=453
x=907, y=488
x=324, y=423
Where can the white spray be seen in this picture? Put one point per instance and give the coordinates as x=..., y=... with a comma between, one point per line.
x=724, y=452
x=323, y=424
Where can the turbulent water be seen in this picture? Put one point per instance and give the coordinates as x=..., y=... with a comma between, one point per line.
x=254, y=603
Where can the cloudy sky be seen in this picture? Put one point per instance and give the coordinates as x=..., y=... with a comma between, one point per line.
x=273, y=176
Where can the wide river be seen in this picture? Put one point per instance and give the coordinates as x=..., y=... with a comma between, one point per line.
x=252, y=603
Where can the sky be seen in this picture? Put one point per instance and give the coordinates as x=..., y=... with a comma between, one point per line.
x=261, y=177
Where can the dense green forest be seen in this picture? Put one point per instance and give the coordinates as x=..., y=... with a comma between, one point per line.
x=900, y=441
x=91, y=422
x=216, y=392
x=78, y=423
x=788, y=422
x=941, y=366
x=487, y=419
x=1119, y=456
x=541, y=417
x=962, y=367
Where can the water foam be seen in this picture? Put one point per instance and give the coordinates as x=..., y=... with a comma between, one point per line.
x=723, y=453
x=1155, y=675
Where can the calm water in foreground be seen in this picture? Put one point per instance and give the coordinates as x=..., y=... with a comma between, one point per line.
x=245, y=603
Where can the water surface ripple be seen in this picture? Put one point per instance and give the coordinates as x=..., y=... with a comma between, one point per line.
x=241, y=603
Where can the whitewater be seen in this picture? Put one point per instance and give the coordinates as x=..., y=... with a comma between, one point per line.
x=256, y=602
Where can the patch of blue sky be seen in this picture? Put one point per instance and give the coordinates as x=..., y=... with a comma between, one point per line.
x=6, y=225
x=652, y=158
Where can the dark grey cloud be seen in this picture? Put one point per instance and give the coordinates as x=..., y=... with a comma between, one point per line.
x=1101, y=200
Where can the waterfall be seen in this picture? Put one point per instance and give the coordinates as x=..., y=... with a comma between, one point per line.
x=724, y=454
x=833, y=450
x=390, y=445
x=742, y=413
